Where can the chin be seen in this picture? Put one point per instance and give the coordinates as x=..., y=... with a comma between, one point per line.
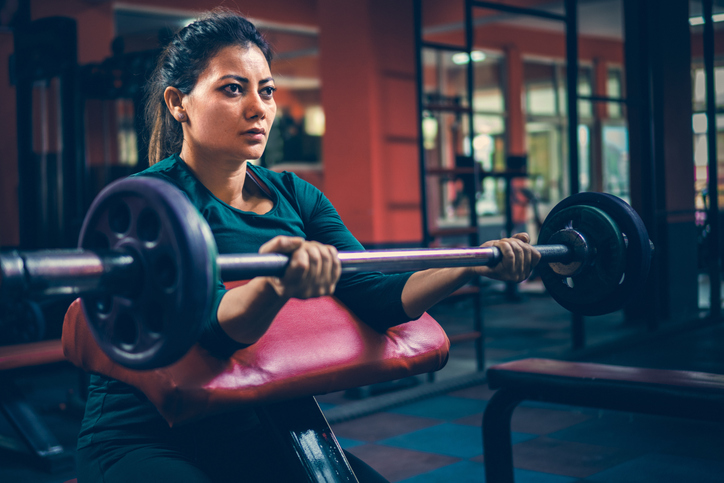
x=253, y=156
x=254, y=153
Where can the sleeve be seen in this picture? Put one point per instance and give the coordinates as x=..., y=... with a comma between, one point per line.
x=374, y=297
x=213, y=338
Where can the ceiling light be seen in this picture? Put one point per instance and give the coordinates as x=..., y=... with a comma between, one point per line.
x=462, y=57
x=717, y=17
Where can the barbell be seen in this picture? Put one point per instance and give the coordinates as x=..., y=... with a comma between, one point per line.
x=147, y=266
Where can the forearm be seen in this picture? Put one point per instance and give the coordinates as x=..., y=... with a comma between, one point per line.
x=246, y=312
x=426, y=288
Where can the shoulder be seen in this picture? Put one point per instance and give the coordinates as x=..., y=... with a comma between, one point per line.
x=164, y=168
x=174, y=170
x=306, y=199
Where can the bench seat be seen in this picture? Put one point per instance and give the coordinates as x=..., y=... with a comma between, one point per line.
x=683, y=394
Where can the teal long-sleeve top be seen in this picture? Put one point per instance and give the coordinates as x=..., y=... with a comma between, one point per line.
x=115, y=410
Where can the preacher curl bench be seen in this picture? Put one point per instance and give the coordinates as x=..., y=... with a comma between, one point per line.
x=142, y=232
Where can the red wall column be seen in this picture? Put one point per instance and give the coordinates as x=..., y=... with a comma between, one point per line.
x=9, y=223
x=368, y=94
x=514, y=101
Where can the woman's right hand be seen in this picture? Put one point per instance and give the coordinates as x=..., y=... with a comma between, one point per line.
x=313, y=269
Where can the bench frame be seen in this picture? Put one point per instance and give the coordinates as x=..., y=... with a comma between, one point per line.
x=34, y=438
x=306, y=442
x=683, y=394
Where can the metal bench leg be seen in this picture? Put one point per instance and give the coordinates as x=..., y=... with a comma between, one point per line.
x=34, y=434
x=300, y=426
x=497, y=444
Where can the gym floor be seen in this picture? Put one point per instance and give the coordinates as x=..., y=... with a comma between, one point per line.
x=431, y=432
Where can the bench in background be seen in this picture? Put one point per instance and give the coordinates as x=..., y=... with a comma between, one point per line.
x=683, y=394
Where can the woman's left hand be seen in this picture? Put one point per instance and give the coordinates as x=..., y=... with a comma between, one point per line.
x=519, y=259
x=313, y=269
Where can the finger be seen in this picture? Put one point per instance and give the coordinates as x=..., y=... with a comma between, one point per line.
x=336, y=267
x=524, y=237
x=326, y=263
x=519, y=260
x=322, y=277
x=535, y=257
x=316, y=262
x=508, y=256
x=282, y=244
x=297, y=269
x=528, y=255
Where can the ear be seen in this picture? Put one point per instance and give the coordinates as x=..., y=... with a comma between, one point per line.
x=174, y=101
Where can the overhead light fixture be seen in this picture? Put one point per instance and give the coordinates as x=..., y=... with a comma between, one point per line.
x=717, y=17
x=462, y=57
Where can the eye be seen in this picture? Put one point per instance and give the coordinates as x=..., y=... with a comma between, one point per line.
x=232, y=89
x=268, y=92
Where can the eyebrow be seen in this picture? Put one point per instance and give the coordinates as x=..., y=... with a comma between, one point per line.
x=244, y=80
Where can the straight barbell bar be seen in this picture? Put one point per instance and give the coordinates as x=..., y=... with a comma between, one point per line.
x=147, y=266
x=46, y=273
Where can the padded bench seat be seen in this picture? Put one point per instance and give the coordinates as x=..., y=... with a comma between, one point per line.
x=684, y=394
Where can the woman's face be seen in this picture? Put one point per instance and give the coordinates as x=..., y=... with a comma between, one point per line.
x=231, y=109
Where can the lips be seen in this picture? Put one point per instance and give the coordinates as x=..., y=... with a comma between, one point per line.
x=255, y=131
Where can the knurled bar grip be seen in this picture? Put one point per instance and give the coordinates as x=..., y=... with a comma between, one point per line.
x=78, y=272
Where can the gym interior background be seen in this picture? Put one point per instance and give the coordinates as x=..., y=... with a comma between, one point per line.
x=426, y=123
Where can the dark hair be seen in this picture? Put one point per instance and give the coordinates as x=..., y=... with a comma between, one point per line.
x=180, y=64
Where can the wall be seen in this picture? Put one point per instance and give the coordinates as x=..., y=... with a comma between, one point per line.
x=368, y=93
x=367, y=58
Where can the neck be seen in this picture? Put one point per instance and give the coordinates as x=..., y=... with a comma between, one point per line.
x=225, y=179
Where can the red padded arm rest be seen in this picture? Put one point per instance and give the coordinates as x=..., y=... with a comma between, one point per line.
x=313, y=347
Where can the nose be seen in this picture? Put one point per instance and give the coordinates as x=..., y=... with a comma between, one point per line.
x=255, y=106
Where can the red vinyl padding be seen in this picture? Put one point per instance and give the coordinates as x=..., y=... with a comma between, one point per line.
x=313, y=347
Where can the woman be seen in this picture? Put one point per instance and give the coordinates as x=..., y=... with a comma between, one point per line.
x=210, y=108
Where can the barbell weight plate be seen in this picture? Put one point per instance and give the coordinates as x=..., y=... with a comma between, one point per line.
x=600, y=289
x=583, y=292
x=157, y=319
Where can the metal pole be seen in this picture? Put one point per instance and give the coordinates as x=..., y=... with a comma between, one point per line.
x=711, y=134
x=419, y=66
x=572, y=91
x=577, y=322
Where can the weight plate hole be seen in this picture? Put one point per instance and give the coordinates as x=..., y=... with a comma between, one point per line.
x=149, y=225
x=166, y=273
x=119, y=218
x=104, y=304
x=125, y=330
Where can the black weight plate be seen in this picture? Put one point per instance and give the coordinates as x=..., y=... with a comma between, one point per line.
x=600, y=296
x=156, y=319
x=598, y=280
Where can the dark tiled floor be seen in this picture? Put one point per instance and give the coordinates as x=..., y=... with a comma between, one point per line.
x=438, y=439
